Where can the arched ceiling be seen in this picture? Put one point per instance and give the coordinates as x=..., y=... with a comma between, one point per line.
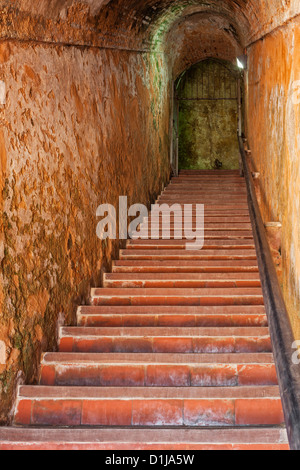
x=186, y=30
x=139, y=23
x=200, y=36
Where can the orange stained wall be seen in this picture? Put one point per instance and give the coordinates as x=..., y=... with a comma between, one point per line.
x=273, y=102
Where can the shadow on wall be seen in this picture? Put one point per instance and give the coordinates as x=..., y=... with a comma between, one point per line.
x=206, y=97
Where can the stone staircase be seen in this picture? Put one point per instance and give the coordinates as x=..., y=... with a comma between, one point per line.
x=174, y=351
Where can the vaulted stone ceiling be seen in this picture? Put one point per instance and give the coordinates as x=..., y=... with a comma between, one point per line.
x=135, y=23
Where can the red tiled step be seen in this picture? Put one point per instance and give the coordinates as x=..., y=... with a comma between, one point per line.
x=182, y=280
x=189, y=254
x=210, y=213
x=204, y=193
x=166, y=340
x=143, y=439
x=174, y=229
x=53, y=357
x=162, y=316
x=189, y=174
x=227, y=175
x=232, y=244
x=146, y=234
x=59, y=406
x=209, y=222
x=216, y=225
x=198, y=184
x=208, y=234
x=209, y=200
x=175, y=296
x=189, y=217
x=191, y=211
x=205, y=187
x=211, y=173
x=184, y=266
x=221, y=199
x=153, y=369
x=213, y=206
x=215, y=185
x=195, y=181
x=213, y=244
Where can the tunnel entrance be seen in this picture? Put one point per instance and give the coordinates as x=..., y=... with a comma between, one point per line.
x=206, y=111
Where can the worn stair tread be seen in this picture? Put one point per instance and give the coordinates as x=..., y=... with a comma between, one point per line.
x=177, y=296
x=182, y=280
x=211, y=226
x=185, y=276
x=164, y=316
x=157, y=358
x=223, y=234
x=181, y=244
x=220, y=205
x=165, y=332
x=150, y=393
x=240, y=279
x=164, y=309
x=204, y=190
x=165, y=292
x=188, y=263
x=254, y=435
x=217, y=252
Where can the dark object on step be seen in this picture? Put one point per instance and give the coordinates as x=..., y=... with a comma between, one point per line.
x=218, y=164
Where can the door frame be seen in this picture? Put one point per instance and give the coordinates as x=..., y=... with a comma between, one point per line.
x=174, y=118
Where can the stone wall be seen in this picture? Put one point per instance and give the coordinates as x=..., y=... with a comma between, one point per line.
x=273, y=128
x=80, y=127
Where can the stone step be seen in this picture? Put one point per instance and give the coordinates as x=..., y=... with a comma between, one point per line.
x=209, y=244
x=158, y=369
x=210, y=217
x=253, y=438
x=211, y=226
x=165, y=255
x=184, y=266
x=181, y=280
x=212, y=206
x=203, y=187
x=175, y=296
x=166, y=340
x=161, y=316
x=208, y=234
x=209, y=200
x=193, y=407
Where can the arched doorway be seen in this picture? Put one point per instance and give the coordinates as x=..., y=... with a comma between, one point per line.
x=206, y=117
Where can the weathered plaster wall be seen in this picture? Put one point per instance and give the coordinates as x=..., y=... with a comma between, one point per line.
x=274, y=133
x=70, y=140
x=208, y=128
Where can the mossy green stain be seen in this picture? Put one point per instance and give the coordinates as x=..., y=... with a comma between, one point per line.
x=207, y=129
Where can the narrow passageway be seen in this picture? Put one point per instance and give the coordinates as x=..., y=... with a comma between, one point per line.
x=169, y=102
x=175, y=340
